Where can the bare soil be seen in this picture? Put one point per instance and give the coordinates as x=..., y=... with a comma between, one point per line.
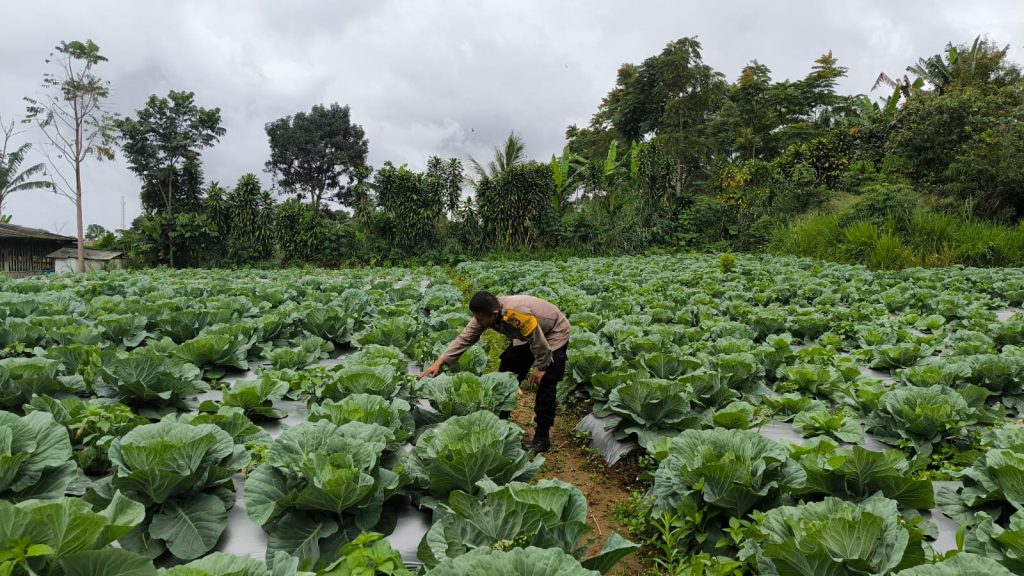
x=571, y=460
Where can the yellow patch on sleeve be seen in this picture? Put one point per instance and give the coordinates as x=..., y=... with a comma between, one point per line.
x=524, y=323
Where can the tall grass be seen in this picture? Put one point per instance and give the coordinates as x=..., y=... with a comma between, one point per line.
x=889, y=253
x=859, y=240
x=925, y=238
x=816, y=235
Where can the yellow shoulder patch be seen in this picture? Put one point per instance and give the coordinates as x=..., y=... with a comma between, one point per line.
x=524, y=323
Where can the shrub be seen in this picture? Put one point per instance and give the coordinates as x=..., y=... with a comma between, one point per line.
x=883, y=202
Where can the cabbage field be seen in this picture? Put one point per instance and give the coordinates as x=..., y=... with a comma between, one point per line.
x=791, y=417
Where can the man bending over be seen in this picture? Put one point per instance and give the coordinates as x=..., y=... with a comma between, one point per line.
x=540, y=336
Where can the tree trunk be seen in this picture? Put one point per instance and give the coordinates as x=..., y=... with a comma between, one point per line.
x=78, y=188
x=170, y=234
x=170, y=215
x=78, y=210
x=315, y=197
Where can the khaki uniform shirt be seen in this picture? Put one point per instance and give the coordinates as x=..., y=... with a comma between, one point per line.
x=524, y=319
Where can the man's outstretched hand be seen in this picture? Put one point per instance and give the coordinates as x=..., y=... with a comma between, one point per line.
x=430, y=371
x=535, y=376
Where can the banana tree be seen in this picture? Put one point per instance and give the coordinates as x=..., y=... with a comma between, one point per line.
x=12, y=177
x=935, y=70
x=152, y=234
x=903, y=84
x=608, y=178
x=869, y=114
x=619, y=175
x=566, y=171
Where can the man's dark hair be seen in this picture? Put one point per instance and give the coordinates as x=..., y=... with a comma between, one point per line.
x=483, y=302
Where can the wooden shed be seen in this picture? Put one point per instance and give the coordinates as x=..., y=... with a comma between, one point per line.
x=65, y=260
x=23, y=251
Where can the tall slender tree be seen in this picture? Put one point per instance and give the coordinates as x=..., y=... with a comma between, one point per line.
x=250, y=224
x=447, y=177
x=72, y=116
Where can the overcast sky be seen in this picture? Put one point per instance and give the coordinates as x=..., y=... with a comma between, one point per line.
x=427, y=77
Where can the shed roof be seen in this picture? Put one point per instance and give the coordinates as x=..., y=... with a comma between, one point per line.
x=25, y=233
x=89, y=254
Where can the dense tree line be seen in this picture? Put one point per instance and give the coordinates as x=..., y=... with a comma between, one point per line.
x=676, y=156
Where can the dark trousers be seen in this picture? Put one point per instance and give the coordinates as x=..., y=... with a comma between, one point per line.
x=518, y=360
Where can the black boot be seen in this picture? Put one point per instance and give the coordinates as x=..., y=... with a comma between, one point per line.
x=540, y=442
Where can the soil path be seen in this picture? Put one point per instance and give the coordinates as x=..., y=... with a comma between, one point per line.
x=571, y=460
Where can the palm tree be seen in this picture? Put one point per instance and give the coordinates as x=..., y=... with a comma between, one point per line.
x=11, y=179
x=511, y=153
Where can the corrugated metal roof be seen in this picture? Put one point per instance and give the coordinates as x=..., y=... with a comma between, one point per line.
x=21, y=232
x=89, y=254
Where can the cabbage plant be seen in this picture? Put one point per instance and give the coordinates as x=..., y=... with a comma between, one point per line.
x=941, y=373
x=786, y=406
x=856, y=473
x=549, y=514
x=16, y=331
x=837, y=537
x=150, y=380
x=124, y=330
x=35, y=457
x=723, y=473
x=463, y=393
x=23, y=378
x=255, y=397
x=994, y=484
x=308, y=350
x=530, y=561
x=812, y=379
x=463, y=450
x=922, y=418
x=400, y=332
x=233, y=421
x=321, y=485
x=218, y=348
x=381, y=381
x=395, y=414
x=738, y=415
x=377, y=355
x=67, y=537
x=1003, y=374
x=651, y=409
x=332, y=323
x=182, y=474
x=838, y=424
